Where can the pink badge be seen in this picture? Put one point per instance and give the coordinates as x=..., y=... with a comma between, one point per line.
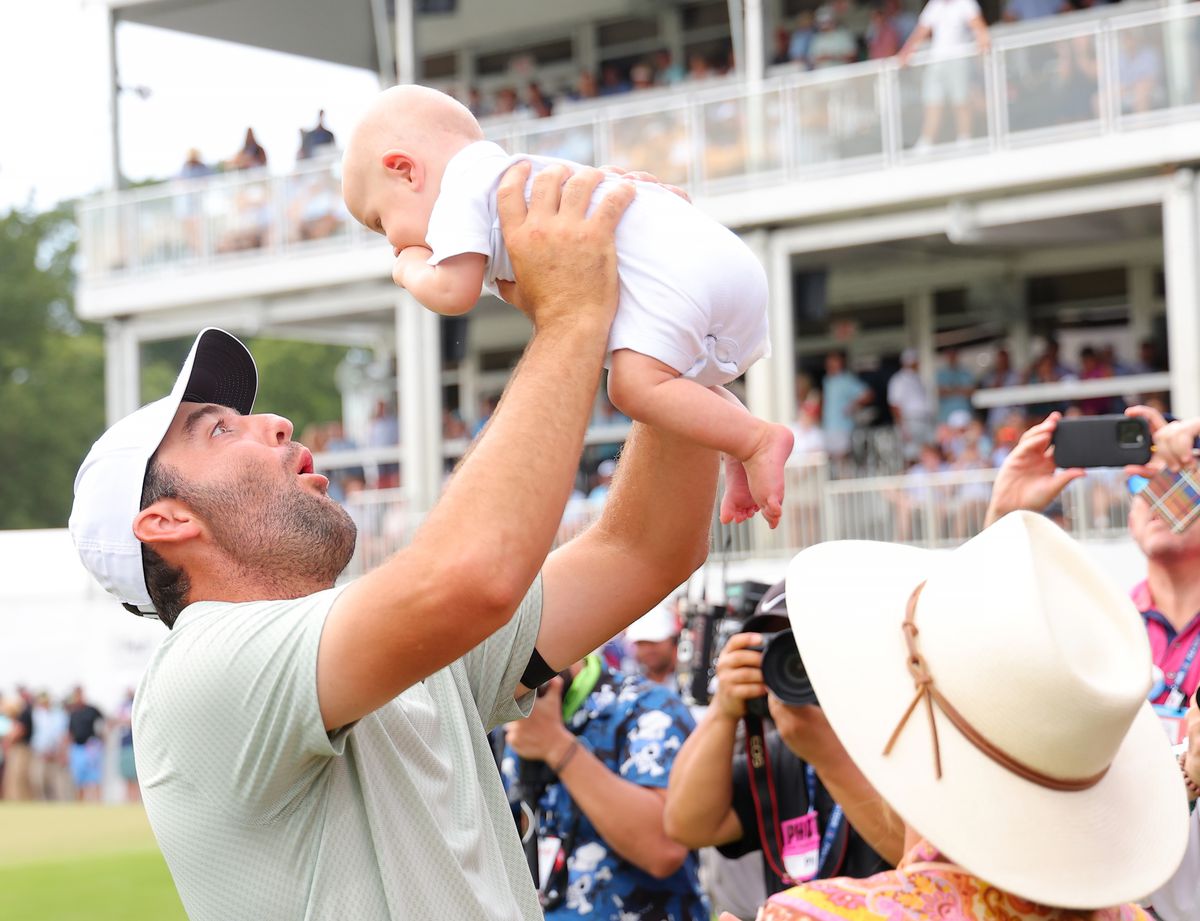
x=801, y=847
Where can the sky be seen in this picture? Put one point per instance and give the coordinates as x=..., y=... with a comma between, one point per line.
x=203, y=94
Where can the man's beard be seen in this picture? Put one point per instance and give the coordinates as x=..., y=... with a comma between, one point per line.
x=288, y=537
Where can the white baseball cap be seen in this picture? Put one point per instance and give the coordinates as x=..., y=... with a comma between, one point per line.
x=654, y=627
x=108, y=488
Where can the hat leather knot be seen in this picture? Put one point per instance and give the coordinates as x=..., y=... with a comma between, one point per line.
x=927, y=690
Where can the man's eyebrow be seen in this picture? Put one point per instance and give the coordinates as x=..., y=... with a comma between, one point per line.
x=194, y=417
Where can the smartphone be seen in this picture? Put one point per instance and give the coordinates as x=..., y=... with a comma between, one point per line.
x=1102, y=441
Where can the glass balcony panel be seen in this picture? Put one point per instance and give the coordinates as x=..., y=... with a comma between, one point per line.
x=240, y=215
x=943, y=104
x=103, y=239
x=658, y=142
x=1053, y=85
x=1157, y=65
x=731, y=127
x=577, y=143
x=837, y=120
x=314, y=208
x=160, y=240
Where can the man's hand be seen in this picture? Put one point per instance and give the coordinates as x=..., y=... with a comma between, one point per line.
x=542, y=736
x=642, y=176
x=739, y=675
x=1028, y=478
x=564, y=260
x=1174, y=442
x=805, y=731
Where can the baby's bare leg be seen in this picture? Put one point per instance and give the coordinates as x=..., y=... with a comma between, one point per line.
x=649, y=391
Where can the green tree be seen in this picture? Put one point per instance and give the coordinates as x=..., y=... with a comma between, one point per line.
x=51, y=370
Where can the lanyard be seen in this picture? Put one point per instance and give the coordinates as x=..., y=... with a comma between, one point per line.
x=835, y=818
x=1176, y=697
x=758, y=758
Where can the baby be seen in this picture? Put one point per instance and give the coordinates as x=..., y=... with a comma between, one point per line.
x=692, y=313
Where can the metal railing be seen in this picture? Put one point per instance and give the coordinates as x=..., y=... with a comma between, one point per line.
x=1085, y=75
x=930, y=509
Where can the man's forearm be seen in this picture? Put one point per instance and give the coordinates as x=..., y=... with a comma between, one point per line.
x=699, y=810
x=628, y=817
x=865, y=809
x=513, y=486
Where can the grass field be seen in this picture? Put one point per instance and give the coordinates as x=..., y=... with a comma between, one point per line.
x=67, y=862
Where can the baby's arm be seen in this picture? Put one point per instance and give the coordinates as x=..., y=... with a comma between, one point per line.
x=450, y=288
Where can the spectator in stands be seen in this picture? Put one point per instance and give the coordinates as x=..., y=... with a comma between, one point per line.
x=507, y=102
x=18, y=755
x=955, y=386
x=487, y=405
x=912, y=409
x=1024, y=10
x=479, y=106
x=833, y=44
x=251, y=155
x=538, y=102
x=194, y=166
x=1092, y=367
x=698, y=67
x=949, y=25
x=1007, y=435
x=383, y=431
x=802, y=35
x=783, y=40
x=883, y=34
x=1048, y=370
x=1077, y=79
x=653, y=641
x=1149, y=359
x=809, y=439
x=843, y=394
x=918, y=501
x=1001, y=374
x=317, y=141
x=585, y=86
x=610, y=752
x=976, y=775
x=1169, y=597
x=85, y=726
x=641, y=77
x=666, y=71
x=601, y=483
x=612, y=81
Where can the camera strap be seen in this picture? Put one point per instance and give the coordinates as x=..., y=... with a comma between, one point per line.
x=766, y=810
x=1176, y=697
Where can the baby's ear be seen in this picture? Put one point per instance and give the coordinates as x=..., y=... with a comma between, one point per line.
x=402, y=165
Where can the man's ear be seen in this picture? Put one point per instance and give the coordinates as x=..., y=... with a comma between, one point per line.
x=400, y=164
x=167, y=521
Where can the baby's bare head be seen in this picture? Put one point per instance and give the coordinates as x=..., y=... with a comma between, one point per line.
x=407, y=136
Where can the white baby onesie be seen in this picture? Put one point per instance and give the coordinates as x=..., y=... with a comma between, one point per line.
x=692, y=294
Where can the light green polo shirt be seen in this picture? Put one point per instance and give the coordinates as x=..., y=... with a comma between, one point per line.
x=262, y=815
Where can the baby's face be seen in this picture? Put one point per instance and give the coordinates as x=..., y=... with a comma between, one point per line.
x=391, y=209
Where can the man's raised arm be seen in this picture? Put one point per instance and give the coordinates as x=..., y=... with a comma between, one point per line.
x=482, y=545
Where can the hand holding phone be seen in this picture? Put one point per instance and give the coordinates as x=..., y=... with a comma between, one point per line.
x=1102, y=441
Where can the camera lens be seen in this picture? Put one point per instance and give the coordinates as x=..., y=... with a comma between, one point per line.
x=1130, y=433
x=783, y=670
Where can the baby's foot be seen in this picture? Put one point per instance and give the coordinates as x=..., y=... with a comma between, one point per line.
x=764, y=471
x=737, y=504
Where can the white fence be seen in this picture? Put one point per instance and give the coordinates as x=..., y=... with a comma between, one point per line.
x=934, y=509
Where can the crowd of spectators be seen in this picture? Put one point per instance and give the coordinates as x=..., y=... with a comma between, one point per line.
x=55, y=750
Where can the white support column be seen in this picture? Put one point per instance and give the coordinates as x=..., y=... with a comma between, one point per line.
x=1139, y=284
x=385, y=53
x=122, y=370
x=107, y=21
x=760, y=390
x=406, y=42
x=782, y=365
x=1181, y=260
x=919, y=318
x=755, y=42
x=419, y=396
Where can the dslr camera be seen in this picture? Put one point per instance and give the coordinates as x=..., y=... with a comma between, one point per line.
x=751, y=607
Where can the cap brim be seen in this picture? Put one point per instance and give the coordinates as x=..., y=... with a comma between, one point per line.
x=1120, y=839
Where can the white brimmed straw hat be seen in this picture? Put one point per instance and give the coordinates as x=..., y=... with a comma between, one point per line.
x=1049, y=775
x=108, y=487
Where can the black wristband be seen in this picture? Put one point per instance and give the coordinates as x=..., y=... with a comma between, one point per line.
x=537, y=672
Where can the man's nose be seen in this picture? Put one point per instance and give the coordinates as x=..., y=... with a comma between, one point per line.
x=277, y=429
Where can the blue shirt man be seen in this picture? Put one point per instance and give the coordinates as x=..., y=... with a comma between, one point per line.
x=635, y=728
x=842, y=392
x=955, y=384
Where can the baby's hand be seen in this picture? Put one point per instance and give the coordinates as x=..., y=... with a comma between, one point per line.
x=408, y=259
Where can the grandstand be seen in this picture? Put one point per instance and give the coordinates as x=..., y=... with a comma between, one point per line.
x=1071, y=209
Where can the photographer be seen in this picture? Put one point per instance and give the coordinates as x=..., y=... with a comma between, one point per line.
x=590, y=764
x=716, y=798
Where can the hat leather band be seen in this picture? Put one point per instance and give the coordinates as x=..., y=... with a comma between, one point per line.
x=927, y=691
